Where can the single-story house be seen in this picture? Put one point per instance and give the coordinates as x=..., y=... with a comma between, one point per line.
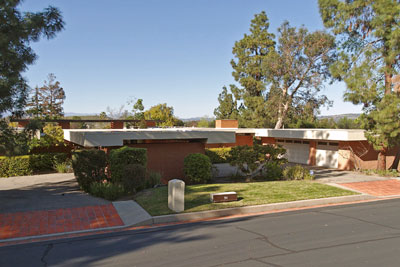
x=166, y=148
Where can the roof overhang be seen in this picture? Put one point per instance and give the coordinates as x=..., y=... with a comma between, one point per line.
x=112, y=137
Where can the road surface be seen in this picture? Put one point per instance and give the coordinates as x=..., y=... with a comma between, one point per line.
x=365, y=234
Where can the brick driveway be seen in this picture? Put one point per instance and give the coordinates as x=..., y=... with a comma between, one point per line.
x=376, y=188
x=34, y=223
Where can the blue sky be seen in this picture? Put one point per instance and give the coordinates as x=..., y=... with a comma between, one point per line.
x=176, y=52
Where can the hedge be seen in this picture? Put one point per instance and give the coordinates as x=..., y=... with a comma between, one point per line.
x=124, y=156
x=89, y=167
x=218, y=155
x=29, y=164
x=197, y=168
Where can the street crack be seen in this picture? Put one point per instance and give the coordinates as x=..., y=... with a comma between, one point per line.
x=45, y=253
x=266, y=239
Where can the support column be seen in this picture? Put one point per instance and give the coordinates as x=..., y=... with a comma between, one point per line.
x=312, y=157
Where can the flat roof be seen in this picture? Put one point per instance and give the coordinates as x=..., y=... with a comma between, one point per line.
x=116, y=137
x=316, y=134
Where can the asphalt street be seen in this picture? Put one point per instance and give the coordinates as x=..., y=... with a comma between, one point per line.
x=365, y=234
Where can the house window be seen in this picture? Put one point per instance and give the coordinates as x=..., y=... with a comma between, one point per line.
x=323, y=143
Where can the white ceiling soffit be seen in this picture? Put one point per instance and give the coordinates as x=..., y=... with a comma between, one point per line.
x=317, y=134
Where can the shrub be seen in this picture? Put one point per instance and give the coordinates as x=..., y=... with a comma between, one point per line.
x=119, y=158
x=63, y=167
x=46, y=161
x=272, y=171
x=108, y=191
x=152, y=179
x=218, y=155
x=15, y=166
x=134, y=176
x=251, y=159
x=197, y=168
x=89, y=167
x=297, y=172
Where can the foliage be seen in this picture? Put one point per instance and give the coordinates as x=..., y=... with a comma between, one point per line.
x=15, y=166
x=346, y=123
x=46, y=161
x=63, y=167
x=279, y=81
x=228, y=106
x=197, y=168
x=272, y=170
x=12, y=142
x=386, y=173
x=368, y=34
x=218, y=155
x=108, y=191
x=205, y=122
x=17, y=31
x=297, y=172
x=53, y=136
x=134, y=176
x=252, y=159
x=89, y=167
x=152, y=179
x=124, y=156
x=164, y=114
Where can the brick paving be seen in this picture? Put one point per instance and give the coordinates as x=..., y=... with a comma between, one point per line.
x=35, y=223
x=376, y=188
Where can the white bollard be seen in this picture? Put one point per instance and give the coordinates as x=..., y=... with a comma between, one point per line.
x=176, y=195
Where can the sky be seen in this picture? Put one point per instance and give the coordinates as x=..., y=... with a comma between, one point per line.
x=166, y=51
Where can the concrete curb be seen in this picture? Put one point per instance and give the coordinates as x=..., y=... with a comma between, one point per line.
x=202, y=215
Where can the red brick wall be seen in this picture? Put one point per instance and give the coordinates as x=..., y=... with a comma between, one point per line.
x=167, y=158
x=268, y=140
x=312, y=156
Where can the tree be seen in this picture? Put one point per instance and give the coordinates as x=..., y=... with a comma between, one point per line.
x=17, y=31
x=276, y=78
x=368, y=33
x=227, y=108
x=12, y=142
x=298, y=68
x=137, y=110
x=34, y=104
x=53, y=97
x=163, y=114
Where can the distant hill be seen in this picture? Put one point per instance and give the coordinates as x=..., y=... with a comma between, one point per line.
x=352, y=116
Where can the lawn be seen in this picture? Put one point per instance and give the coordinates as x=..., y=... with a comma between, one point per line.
x=197, y=197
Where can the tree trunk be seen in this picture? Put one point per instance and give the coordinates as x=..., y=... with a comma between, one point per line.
x=281, y=115
x=382, y=159
x=395, y=164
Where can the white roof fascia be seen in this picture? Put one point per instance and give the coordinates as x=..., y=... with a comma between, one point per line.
x=314, y=134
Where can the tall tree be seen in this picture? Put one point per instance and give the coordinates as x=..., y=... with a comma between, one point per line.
x=227, y=108
x=17, y=31
x=52, y=98
x=298, y=67
x=34, y=108
x=368, y=32
x=277, y=78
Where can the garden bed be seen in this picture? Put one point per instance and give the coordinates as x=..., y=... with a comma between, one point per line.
x=197, y=197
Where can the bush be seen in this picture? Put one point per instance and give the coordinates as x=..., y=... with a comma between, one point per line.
x=134, y=176
x=218, y=155
x=15, y=166
x=197, y=168
x=89, y=167
x=297, y=172
x=124, y=156
x=46, y=161
x=272, y=171
x=108, y=191
x=63, y=167
x=152, y=179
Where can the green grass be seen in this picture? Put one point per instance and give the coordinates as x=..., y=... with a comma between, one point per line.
x=197, y=197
